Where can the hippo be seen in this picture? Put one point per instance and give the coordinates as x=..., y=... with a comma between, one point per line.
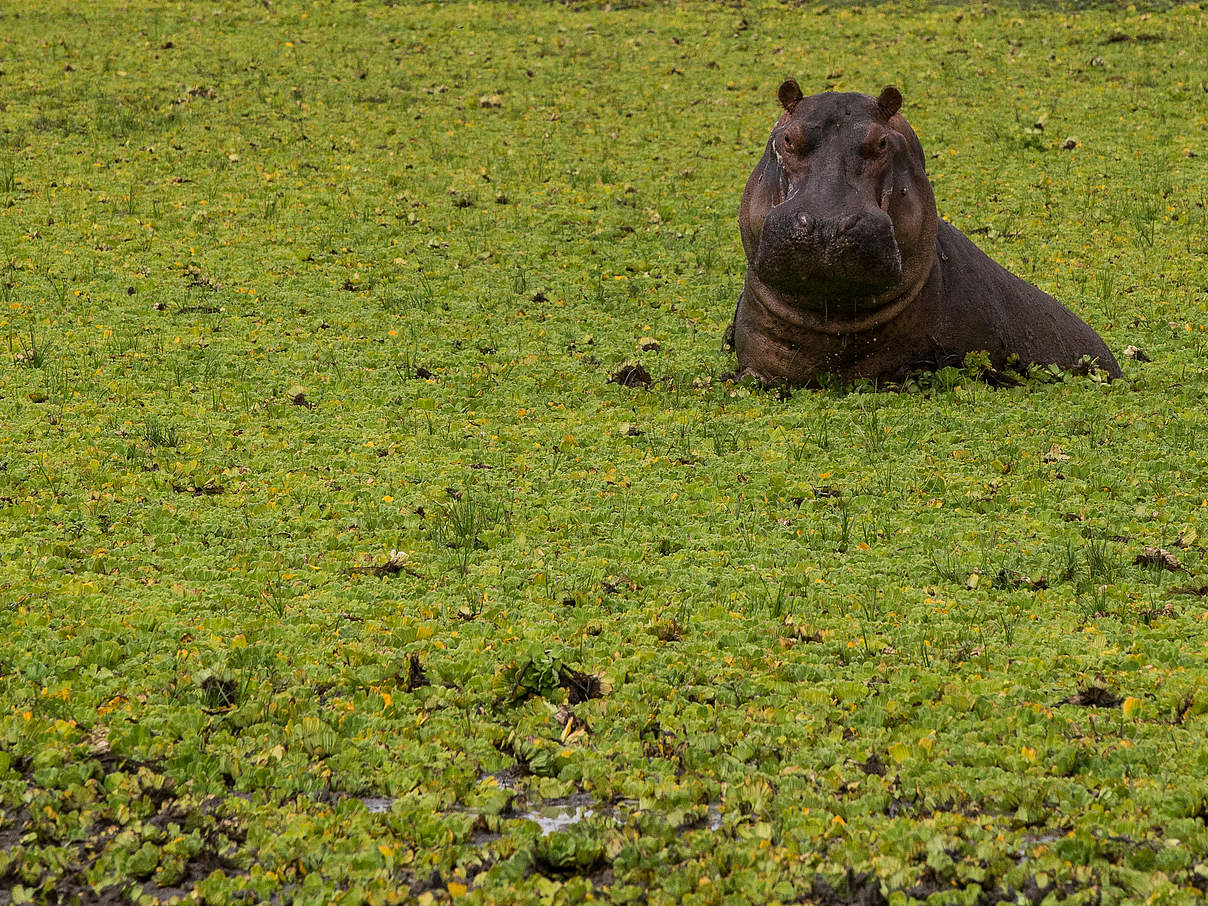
x=852, y=274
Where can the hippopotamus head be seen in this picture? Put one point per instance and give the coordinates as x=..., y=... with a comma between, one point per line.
x=839, y=218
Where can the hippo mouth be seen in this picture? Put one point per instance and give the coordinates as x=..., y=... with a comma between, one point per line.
x=852, y=259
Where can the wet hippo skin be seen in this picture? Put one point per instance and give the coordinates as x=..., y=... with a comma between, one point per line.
x=851, y=273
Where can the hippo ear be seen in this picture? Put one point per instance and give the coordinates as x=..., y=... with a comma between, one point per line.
x=789, y=94
x=890, y=101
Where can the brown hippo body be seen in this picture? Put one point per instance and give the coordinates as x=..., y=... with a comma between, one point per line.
x=851, y=273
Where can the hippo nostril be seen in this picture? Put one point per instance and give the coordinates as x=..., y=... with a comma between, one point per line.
x=846, y=224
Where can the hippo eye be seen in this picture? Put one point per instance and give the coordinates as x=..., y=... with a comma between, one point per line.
x=797, y=141
x=883, y=144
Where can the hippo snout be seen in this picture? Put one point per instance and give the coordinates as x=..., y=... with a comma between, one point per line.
x=847, y=251
x=828, y=233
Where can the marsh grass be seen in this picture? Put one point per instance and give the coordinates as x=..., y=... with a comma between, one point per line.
x=274, y=596
x=460, y=524
x=946, y=566
x=159, y=433
x=1101, y=563
x=286, y=287
x=8, y=173
x=28, y=351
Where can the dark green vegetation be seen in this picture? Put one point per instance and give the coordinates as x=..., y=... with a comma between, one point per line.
x=313, y=488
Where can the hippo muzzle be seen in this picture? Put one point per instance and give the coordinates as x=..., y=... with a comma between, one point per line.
x=828, y=255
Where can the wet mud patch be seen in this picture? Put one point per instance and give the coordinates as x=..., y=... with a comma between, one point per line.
x=1092, y=697
x=392, y=566
x=579, y=686
x=1032, y=891
x=505, y=779
x=853, y=889
x=1159, y=558
x=1194, y=591
x=633, y=375
x=711, y=820
x=1012, y=580
x=873, y=765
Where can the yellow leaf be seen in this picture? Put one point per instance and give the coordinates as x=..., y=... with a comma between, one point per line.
x=386, y=699
x=1029, y=754
x=899, y=751
x=456, y=890
x=1131, y=706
